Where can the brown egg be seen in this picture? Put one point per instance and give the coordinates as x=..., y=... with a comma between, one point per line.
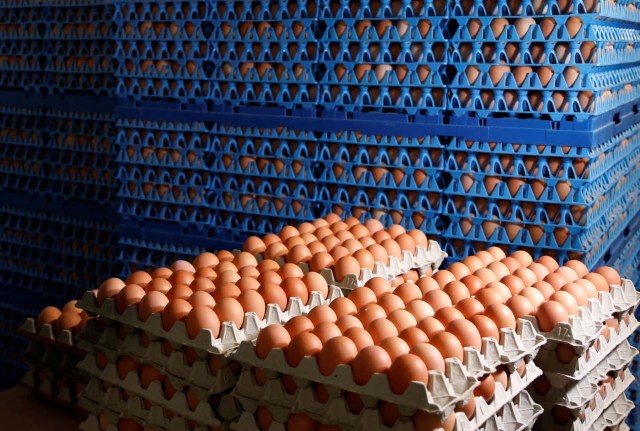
x=549, y=314
x=545, y=288
x=252, y=301
x=361, y=337
x=611, y=275
x=470, y=307
x=589, y=288
x=274, y=294
x=390, y=302
x=405, y=369
x=202, y=284
x=498, y=25
x=268, y=265
x=175, y=310
x=573, y=26
x=578, y=292
x=201, y=317
x=448, y=345
x=598, y=281
x=348, y=321
x=290, y=270
x=580, y=268
x=556, y=280
x=419, y=309
x=268, y=277
x=533, y=295
x=549, y=262
x=68, y=320
x=108, y=289
x=408, y=292
x=426, y=284
x=473, y=283
x=321, y=261
x=152, y=302
x=512, y=264
x=303, y=344
x=515, y=284
x=486, y=326
x=501, y=315
x=369, y=361
x=532, y=273
x=489, y=296
x=567, y=300
x=402, y=319
x=520, y=306
x=430, y=326
x=344, y=266
x=447, y=315
x=201, y=298
x=295, y=288
x=141, y=278
x=369, y=313
x=486, y=275
x=298, y=325
x=437, y=299
x=336, y=351
x=395, y=347
x=271, y=337
x=444, y=277
x=522, y=26
x=466, y=332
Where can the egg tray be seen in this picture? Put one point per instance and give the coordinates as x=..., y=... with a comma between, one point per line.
x=387, y=182
x=198, y=376
x=230, y=335
x=598, y=160
x=250, y=394
x=600, y=9
x=51, y=357
x=112, y=403
x=441, y=395
x=254, y=208
x=518, y=415
x=430, y=257
x=579, y=398
x=46, y=334
x=584, y=195
x=582, y=330
x=378, y=198
x=204, y=413
x=269, y=172
x=47, y=387
x=610, y=91
x=612, y=416
x=612, y=354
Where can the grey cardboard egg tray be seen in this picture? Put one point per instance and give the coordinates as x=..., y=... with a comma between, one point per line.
x=230, y=336
x=250, y=395
x=581, y=365
x=518, y=415
x=198, y=375
x=611, y=417
x=46, y=334
x=443, y=392
x=424, y=258
x=582, y=330
x=203, y=413
x=111, y=402
x=65, y=395
x=515, y=344
x=602, y=403
x=51, y=357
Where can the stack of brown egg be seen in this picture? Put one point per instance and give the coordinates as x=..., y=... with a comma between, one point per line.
x=52, y=354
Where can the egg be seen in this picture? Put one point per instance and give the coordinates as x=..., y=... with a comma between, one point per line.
x=336, y=351
x=424, y=420
x=108, y=289
x=567, y=300
x=141, y=278
x=68, y=320
x=520, y=306
x=578, y=267
x=271, y=337
x=589, y=288
x=473, y=283
x=610, y=275
x=362, y=296
x=152, y=302
x=326, y=331
x=549, y=314
x=437, y=299
x=578, y=292
x=531, y=274
x=303, y=344
x=486, y=276
x=48, y=316
x=469, y=307
x=448, y=345
x=487, y=387
x=426, y=284
x=497, y=26
x=514, y=283
x=486, y=326
x=408, y=292
x=202, y=317
x=601, y=283
x=369, y=313
x=534, y=296
x=556, y=280
x=405, y=369
x=466, y=332
x=322, y=313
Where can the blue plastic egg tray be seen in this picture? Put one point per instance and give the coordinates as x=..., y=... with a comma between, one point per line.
x=67, y=155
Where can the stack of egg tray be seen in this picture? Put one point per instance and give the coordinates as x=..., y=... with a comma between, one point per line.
x=560, y=60
x=57, y=47
x=383, y=57
x=50, y=153
x=586, y=365
x=14, y=309
x=52, y=359
x=55, y=255
x=569, y=202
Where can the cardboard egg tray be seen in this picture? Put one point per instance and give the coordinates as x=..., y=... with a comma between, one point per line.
x=443, y=392
x=198, y=375
x=230, y=336
x=250, y=395
x=46, y=386
x=610, y=418
x=579, y=399
x=111, y=403
x=46, y=333
x=204, y=413
x=423, y=259
x=582, y=330
x=518, y=415
x=597, y=352
x=51, y=357
x=515, y=344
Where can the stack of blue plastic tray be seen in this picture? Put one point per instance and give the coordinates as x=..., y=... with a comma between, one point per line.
x=57, y=157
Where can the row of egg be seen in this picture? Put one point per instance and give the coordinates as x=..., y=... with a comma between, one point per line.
x=521, y=74
x=373, y=328
x=547, y=25
x=510, y=99
x=69, y=318
x=535, y=53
